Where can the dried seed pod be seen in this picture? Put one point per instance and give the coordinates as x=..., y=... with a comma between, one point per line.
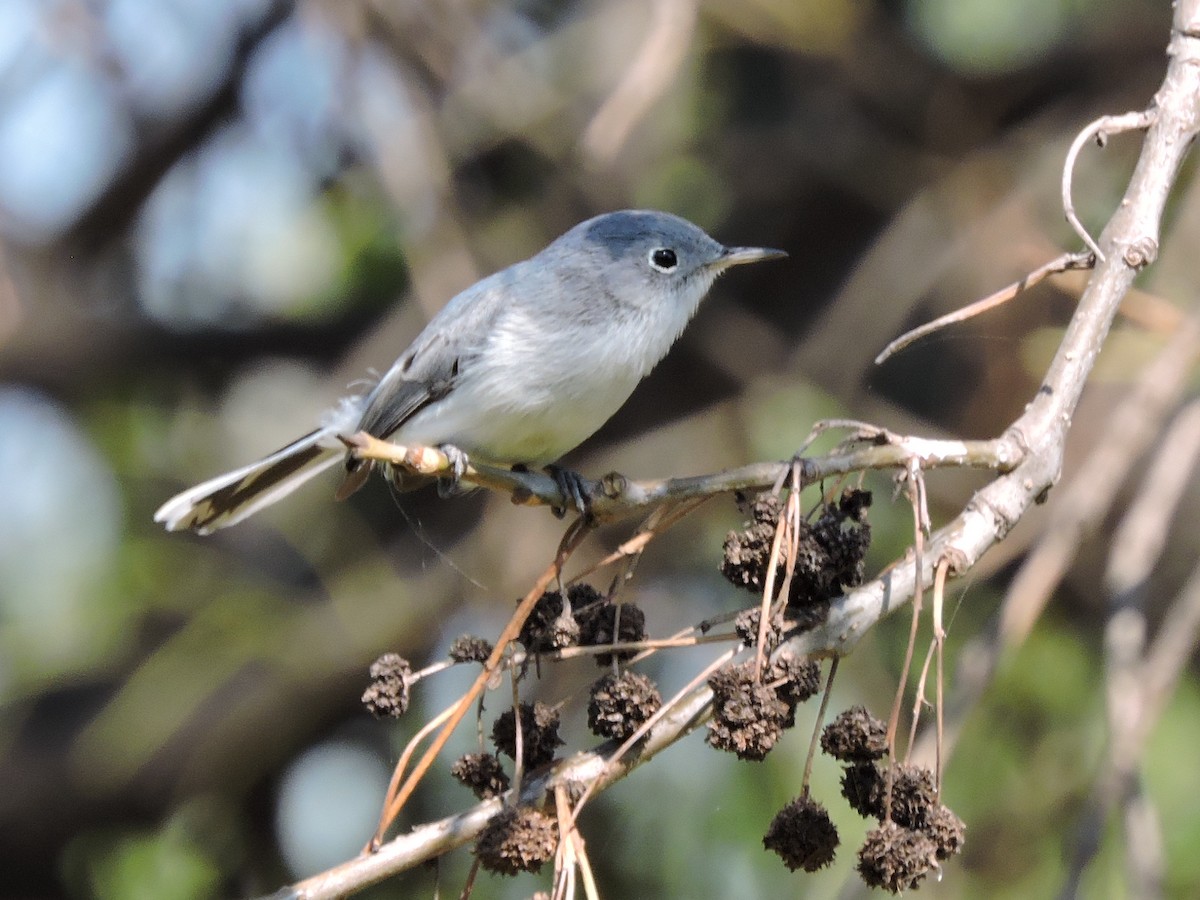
x=539, y=733
x=913, y=796
x=795, y=680
x=746, y=553
x=621, y=703
x=517, y=839
x=896, y=859
x=803, y=835
x=746, y=628
x=947, y=831
x=550, y=626
x=862, y=786
x=483, y=773
x=388, y=694
x=611, y=623
x=469, y=648
x=748, y=716
x=855, y=736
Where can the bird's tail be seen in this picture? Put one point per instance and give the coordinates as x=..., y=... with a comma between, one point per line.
x=229, y=498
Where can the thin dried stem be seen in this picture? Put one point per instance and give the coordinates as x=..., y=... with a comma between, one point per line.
x=768, y=595
x=402, y=764
x=518, y=738
x=469, y=885
x=816, y=735
x=575, y=843
x=939, y=638
x=660, y=520
x=564, y=853
x=914, y=496
x=919, y=702
x=1063, y=263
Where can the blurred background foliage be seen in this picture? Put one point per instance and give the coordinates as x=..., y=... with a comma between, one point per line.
x=217, y=215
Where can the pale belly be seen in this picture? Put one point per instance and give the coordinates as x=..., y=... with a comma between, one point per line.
x=520, y=423
x=526, y=399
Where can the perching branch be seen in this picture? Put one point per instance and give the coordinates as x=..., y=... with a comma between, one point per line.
x=614, y=497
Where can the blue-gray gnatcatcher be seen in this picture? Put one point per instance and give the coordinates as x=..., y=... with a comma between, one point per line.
x=519, y=368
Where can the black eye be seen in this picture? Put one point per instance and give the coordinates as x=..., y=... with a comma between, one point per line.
x=663, y=259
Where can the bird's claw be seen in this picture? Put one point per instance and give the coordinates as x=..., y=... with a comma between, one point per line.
x=574, y=488
x=449, y=486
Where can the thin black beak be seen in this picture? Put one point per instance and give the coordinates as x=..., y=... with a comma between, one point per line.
x=739, y=256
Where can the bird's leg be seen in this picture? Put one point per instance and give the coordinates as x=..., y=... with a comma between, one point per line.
x=448, y=486
x=574, y=488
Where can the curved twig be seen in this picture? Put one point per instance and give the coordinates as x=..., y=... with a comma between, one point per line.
x=1099, y=130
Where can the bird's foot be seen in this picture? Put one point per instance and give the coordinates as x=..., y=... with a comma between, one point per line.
x=450, y=485
x=574, y=488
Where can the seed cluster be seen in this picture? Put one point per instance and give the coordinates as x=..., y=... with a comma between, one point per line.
x=916, y=832
x=517, y=839
x=584, y=618
x=829, y=551
x=621, y=703
x=469, y=648
x=387, y=696
x=750, y=713
x=539, y=734
x=483, y=773
x=803, y=835
x=754, y=703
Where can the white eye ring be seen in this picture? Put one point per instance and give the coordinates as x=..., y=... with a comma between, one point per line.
x=663, y=258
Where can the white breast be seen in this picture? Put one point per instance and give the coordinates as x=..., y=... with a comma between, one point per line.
x=530, y=400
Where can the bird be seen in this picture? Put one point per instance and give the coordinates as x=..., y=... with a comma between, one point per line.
x=518, y=369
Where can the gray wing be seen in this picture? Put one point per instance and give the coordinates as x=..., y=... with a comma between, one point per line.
x=428, y=370
x=424, y=374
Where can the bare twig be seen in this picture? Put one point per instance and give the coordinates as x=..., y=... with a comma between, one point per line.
x=1064, y=263
x=1099, y=130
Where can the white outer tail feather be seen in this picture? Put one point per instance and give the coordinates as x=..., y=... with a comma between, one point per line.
x=193, y=509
